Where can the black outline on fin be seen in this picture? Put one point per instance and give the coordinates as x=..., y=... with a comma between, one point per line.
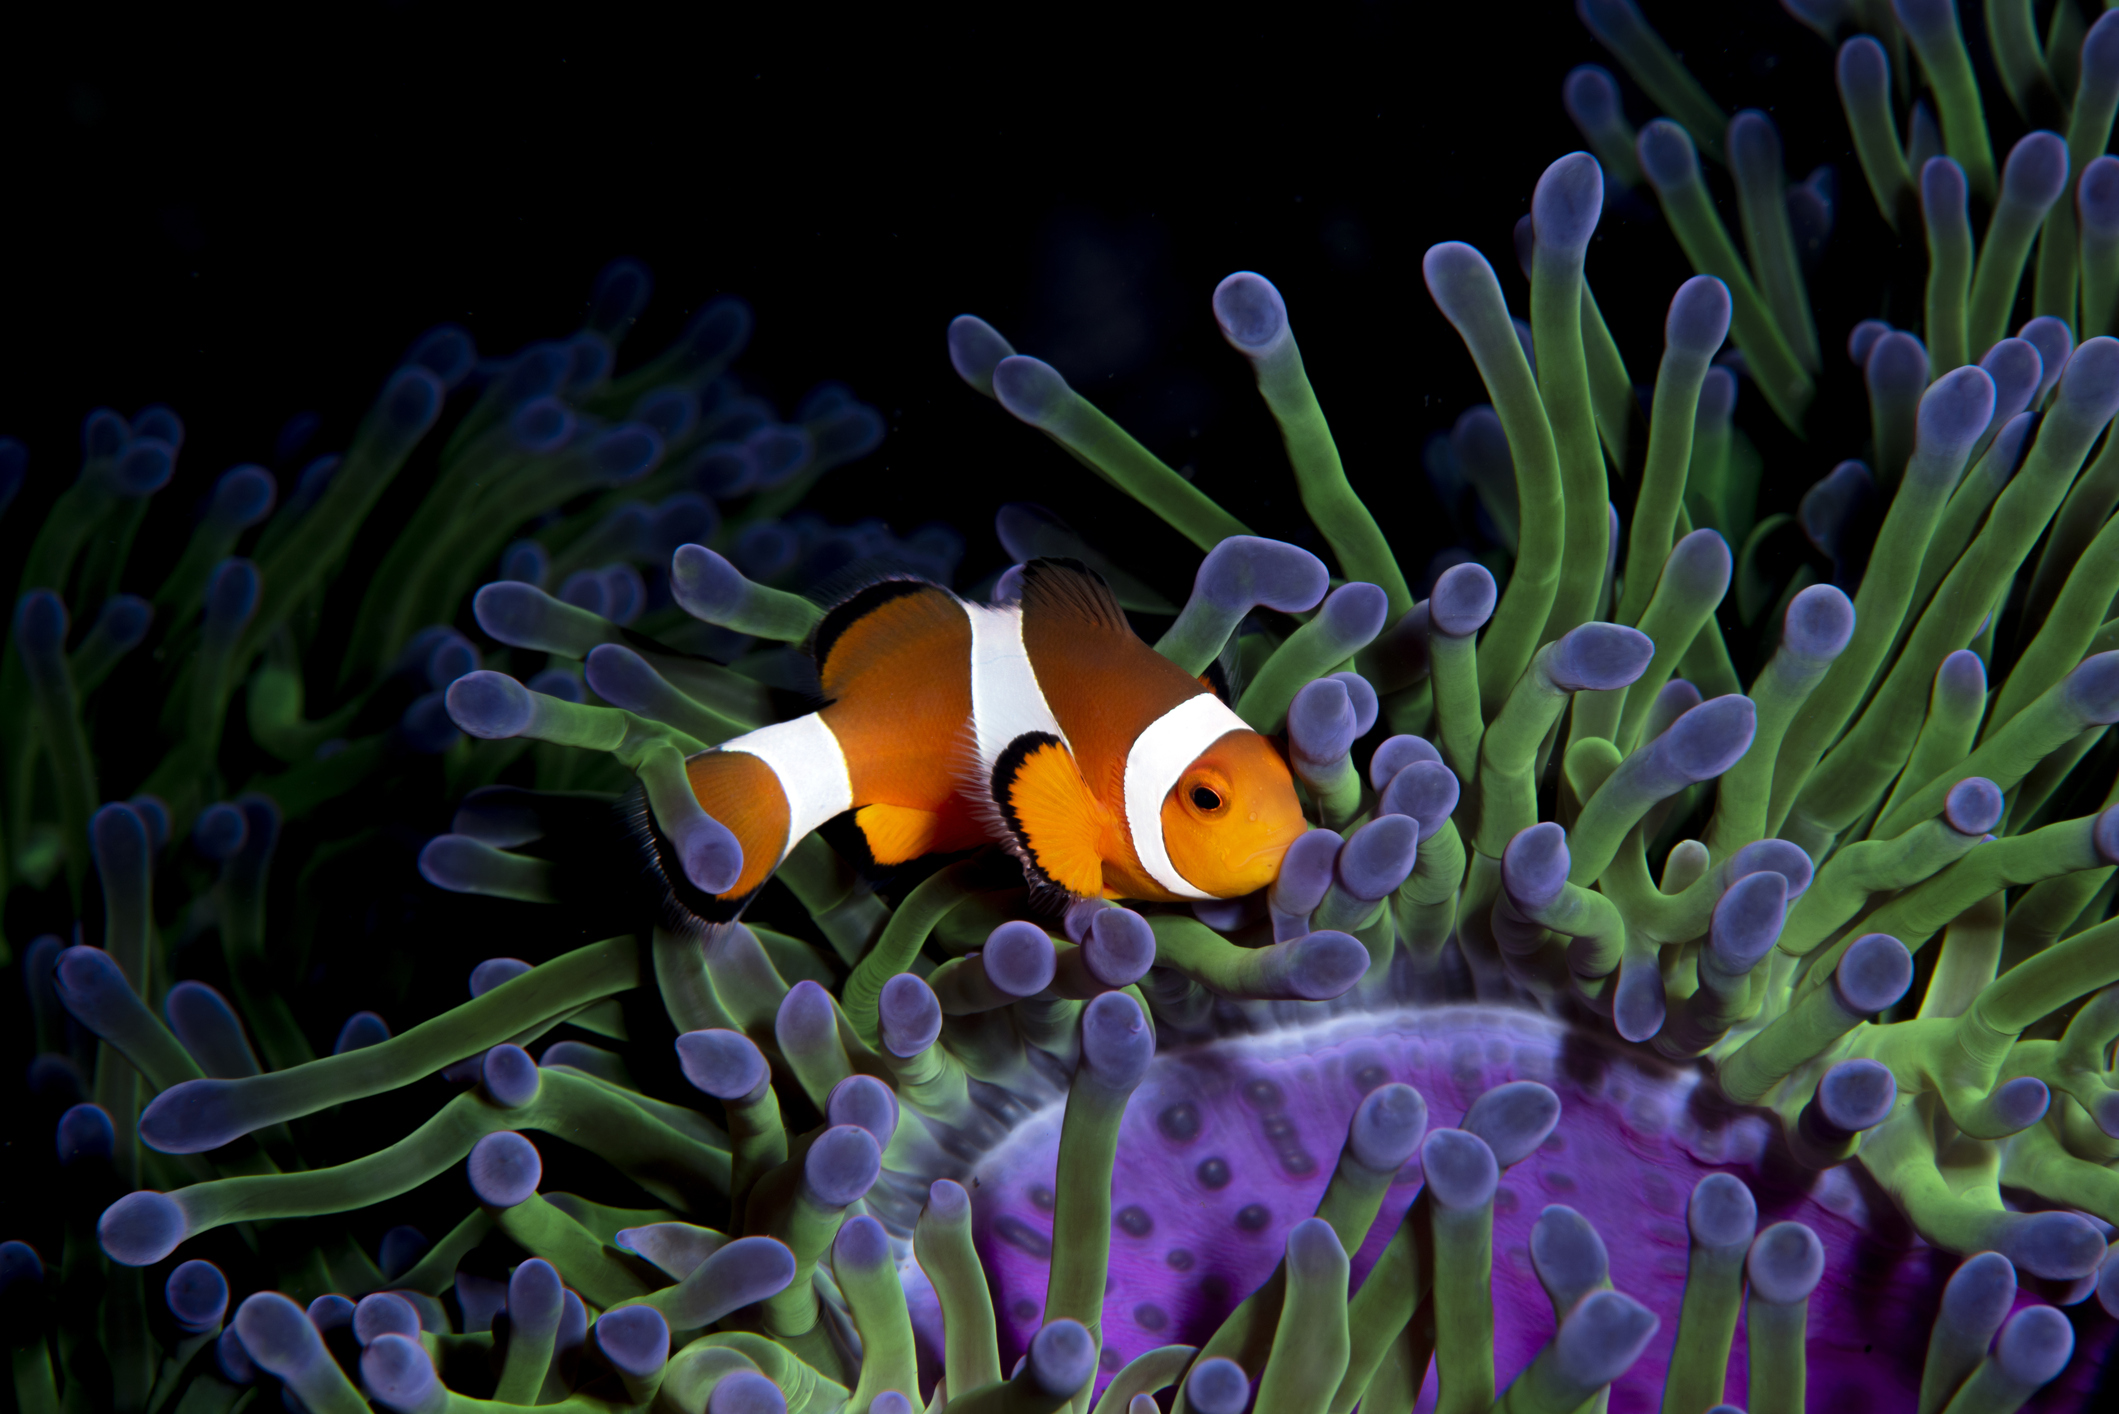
x=847, y=612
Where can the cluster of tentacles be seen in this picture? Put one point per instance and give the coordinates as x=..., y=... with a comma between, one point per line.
x=1677, y=1000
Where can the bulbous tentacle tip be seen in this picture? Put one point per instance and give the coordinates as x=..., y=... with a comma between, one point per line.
x=1954, y=411
x=398, y=1375
x=125, y=619
x=243, y=496
x=145, y=467
x=1754, y=143
x=1306, y=871
x=976, y=348
x=806, y=1017
x=1973, y=806
x=1326, y=964
x=1599, y=656
x=1786, y=1261
x=40, y=623
x=2089, y=376
x=1747, y=921
x=1535, y=863
x=705, y=584
x=1566, y=203
x=1782, y=857
x=197, y=1294
x=747, y=1392
x=1019, y=958
x=2036, y=171
x=1722, y=1212
x=2093, y=688
x=2098, y=194
x=842, y=1165
x=865, y=1101
x=1710, y=738
x=1602, y=1337
x=753, y=1268
x=2017, y=368
x=1567, y=1251
x=1857, y=1094
x=2108, y=1286
x=489, y=705
x=1247, y=570
x=1396, y=754
x=909, y=1015
x=504, y=1169
x=1252, y=315
x=1862, y=340
x=1321, y=722
x=1062, y=1357
x=1031, y=389
x=1387, y=1128
x=1118, y=1041
x=535, y=1295
x=1979, y=1294
x=1862, y=68
x=1120, y=947
x=2056, y=1246
x=1819, y=622
x=85, y=1133
x=383, y=1313
x=1873, y=973
x=447, y=351
x=1667, y=155
x=2104, y=1112
x=410, y=402
x=2020, y=1103
x=890, y=1402
x=1218, y=1385
x=948, y=1200
x=1379, y=856
x=190, y=1117
x=276, y=1333
x=1353, y=613
x=1314, y=1251
x=1638, y=1005
x=1459, y=280
x=1962, y=677
x=495, y=971
x=1460, y=1168
x=1591, y=95
x=1514, y=1119
x=2035, y=1346
x=1942, y=188
x=1463, y=599
x=636, y=1339
x=509, y=1076
x=1897, y=365
x=1427, y=791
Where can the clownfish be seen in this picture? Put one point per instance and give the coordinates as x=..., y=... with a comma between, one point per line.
x=1044, y=725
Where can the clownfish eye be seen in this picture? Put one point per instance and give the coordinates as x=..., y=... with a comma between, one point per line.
x=1206, y=799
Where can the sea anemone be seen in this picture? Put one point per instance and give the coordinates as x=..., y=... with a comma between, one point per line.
x=1753, y=938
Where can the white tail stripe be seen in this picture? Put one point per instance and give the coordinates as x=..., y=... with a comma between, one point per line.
x=1005, y=698
x=1159, y=757
x=807, y=760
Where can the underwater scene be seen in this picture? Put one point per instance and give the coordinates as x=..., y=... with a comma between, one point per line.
x=948, y=816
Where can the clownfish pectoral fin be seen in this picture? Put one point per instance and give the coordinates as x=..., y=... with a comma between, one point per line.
x=1055, y=822
x=896, y=833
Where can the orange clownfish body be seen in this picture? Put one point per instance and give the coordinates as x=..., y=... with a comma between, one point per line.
x=1045, y=725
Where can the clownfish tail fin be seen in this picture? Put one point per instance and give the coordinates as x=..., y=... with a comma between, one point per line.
x=741, y=792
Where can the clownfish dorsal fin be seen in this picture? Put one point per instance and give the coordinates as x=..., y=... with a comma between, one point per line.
x=1069, y=590
x=1055, y=822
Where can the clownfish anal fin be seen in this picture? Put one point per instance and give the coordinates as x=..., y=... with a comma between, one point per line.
x=1055, y=823
x=1070, y=590
x=896, y=833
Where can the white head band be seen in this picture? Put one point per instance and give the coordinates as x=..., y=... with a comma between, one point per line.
x=1159, y=756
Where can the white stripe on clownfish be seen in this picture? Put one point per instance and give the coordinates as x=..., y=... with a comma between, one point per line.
x=1157, y=760
x=806, y=759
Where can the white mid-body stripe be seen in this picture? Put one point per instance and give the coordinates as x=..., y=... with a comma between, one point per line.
x=1006, y=701
x=1159, y=756
x=807, y=760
